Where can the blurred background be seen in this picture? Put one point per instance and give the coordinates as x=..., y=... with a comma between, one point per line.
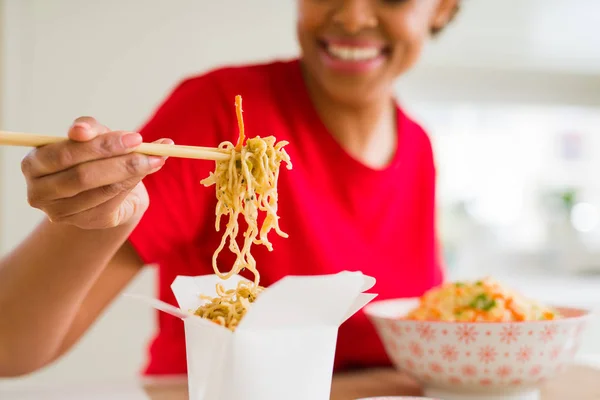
x=510, y=94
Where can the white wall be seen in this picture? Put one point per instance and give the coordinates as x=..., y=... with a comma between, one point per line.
x=116, y=59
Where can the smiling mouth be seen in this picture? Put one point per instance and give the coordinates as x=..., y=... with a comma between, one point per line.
x=356, y=53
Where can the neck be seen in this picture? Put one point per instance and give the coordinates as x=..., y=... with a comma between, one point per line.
x=367, y=131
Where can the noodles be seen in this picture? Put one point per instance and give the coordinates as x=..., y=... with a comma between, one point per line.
x=245, y=184
x=229, y=307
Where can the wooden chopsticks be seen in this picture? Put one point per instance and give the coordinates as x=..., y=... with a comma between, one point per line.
x=153, y=149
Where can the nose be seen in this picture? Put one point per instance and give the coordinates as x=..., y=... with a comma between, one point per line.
x=355, y=15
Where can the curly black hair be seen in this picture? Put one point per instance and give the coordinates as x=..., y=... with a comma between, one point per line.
x=435, y=30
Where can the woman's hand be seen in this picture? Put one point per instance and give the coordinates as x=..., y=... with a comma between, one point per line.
x=93, y=180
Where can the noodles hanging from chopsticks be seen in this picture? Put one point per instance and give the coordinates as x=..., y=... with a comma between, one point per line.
x=246, y=185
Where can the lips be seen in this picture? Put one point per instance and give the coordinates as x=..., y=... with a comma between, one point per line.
x=350, y=55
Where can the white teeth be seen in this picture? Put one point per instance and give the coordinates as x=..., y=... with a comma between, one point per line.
x=353, y=53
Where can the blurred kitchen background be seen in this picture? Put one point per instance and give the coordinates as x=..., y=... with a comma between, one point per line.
x=510, y=94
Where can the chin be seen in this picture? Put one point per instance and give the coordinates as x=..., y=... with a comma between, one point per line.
x=356, y=92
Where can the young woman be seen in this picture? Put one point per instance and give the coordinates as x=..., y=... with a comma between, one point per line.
x=361, y=195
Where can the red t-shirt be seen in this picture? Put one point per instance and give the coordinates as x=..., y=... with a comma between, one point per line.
x=339, y=213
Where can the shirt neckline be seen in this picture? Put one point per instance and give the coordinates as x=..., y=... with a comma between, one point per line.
x=317, y=124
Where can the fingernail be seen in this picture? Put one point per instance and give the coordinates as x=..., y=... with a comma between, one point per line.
x=165, y=141
x=83, y=125
x=131, y=140
x=156, y=162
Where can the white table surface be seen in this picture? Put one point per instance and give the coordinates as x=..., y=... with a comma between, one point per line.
x=567, y=291
x=130, y=390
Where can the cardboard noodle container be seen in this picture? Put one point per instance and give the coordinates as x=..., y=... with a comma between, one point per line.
x=284, y=346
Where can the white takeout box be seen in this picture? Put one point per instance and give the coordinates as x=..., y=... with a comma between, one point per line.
x=284, y=346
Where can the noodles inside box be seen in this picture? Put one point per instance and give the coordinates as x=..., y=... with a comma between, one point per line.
x=284, y=346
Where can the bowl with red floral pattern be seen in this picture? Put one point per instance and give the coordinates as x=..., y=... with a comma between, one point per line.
x=478, y=340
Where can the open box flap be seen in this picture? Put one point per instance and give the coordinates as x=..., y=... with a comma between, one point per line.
x=293, y=301
x=362, y=300
x=306, y=301
x=369, y=281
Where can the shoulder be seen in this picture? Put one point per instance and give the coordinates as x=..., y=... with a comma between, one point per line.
x=210, y=97
x=251, y=80
x=418, y=142
x=242, y=73
x=200, y=109
x=420, y=139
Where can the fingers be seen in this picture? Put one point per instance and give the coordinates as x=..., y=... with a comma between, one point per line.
x=111, y=213
x=92, y=175
x=61, y=156
x=61, y=209
x=82, y=193
x=92, y=180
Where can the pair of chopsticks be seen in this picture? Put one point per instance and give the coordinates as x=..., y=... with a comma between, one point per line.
x=151, y=149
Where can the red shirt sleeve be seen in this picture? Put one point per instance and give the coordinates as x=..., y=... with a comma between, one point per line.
x=193, y=114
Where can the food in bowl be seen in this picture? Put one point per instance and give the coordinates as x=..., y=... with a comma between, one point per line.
x=481, y=357
x=483, y=300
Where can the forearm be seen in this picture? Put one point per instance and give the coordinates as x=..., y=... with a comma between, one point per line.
x=43, y=283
